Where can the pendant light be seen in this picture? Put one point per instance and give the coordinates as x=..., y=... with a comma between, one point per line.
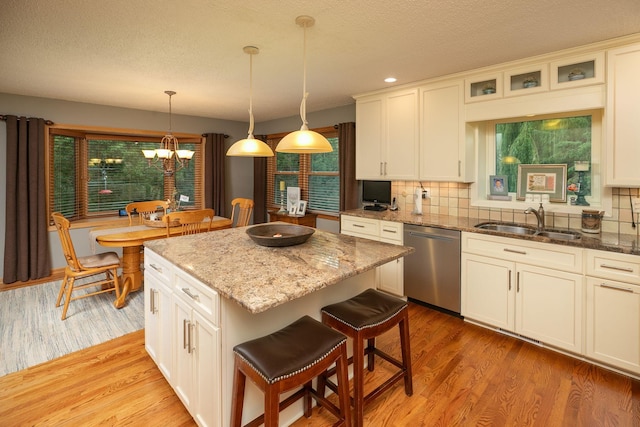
x=250, y=147
x=304, y=140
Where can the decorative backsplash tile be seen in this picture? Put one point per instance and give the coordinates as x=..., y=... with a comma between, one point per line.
x=452, y=198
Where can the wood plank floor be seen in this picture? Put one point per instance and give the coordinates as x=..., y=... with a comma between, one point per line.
x=464, y=375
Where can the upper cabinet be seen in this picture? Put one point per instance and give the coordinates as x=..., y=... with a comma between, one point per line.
x=444, y=155
x=387, y=136
x=526, y=80
x=622, y=118
x=483, y=87
x=577, y=71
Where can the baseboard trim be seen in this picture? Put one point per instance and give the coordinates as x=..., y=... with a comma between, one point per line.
x=56, y=274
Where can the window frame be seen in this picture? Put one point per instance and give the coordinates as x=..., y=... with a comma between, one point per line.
x=303, y=173
x=486, y=155
x=82, y=162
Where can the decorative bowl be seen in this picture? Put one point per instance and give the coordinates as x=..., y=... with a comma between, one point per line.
x=279, y=235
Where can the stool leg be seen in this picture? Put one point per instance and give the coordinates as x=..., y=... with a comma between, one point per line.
x=342, y=370
x=307, y=399
x=358, y=380
x=271, y=407
x=237, y=401
x=406, y=354
x=371, y=347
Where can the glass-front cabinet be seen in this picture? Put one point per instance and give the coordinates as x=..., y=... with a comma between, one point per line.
x=483, y=88
x=526, y=80
x=578, y=71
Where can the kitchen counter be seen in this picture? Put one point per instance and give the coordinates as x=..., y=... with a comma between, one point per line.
x=259, y=278
x=613, y=242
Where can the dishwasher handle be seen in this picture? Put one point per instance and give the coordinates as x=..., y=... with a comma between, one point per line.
x=430, y=236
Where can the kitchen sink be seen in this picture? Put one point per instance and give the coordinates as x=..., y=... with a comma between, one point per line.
x=563, y=235
x=507, y=228
x=528, y=231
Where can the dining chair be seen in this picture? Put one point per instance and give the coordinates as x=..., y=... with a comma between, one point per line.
x=244, y=207
x=82, y=267
x=192, y=222
x=144, y=209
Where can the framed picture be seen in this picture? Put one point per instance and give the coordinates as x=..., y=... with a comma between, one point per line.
x=541, y=180
x=499, y=185
x=293, y=209
x=293, y=197
x=302, y=207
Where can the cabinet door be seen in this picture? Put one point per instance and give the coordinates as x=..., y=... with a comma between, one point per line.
x=151, y=318
x=613, y=323
x=549, y=306
x=157, y=324
x=401, y=160
x=487, y=290
x=207, y=366
x=442, y=138
x=390, y=277
x=370, y=131
x=182, y=350
x=623, y=133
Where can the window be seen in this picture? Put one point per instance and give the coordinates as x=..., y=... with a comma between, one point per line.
x=317, y=175
x=99, y=174
x=552, y=139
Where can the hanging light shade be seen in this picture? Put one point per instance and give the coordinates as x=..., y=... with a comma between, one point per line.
x=304, y=140
x=250, y=147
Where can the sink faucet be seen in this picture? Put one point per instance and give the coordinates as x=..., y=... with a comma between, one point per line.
x=539, y=215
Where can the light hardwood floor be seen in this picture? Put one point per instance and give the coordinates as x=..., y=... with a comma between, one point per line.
x=464, y=375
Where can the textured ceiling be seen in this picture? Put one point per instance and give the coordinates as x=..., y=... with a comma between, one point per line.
x=128, y=52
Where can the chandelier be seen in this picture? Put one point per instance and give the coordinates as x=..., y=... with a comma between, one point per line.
x=162, y=158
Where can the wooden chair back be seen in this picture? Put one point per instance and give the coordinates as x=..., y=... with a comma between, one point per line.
x=144, y=209
x=62, y=225
x=244, y=209
x=191, y=222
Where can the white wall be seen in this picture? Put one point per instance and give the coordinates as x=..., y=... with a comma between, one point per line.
x=239, y=170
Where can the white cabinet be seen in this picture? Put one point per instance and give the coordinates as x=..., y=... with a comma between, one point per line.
x=387, y=136
x=157, y=317
x=182, y=336
x=623, y=132
x=613, y=309
x=508, y=283
x=390, y=276
x=444, y=154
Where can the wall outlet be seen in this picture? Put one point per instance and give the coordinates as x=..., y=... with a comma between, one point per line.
x=425, y=193
x=636, y=204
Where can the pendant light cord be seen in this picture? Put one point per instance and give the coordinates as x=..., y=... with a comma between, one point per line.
x=305, y=94
x=250, y=135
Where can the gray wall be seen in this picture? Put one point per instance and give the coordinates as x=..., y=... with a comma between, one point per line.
x=239, y=170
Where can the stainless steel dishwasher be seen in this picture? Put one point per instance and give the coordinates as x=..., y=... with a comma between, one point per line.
x=432, y=272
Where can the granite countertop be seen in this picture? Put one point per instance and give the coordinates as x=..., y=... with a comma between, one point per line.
x=258, y=277
x=613, y=242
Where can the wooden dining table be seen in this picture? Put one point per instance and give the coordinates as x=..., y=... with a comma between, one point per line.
x=131, y=243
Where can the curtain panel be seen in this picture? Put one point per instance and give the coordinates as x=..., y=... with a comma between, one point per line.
x=347, y=153
x=27, y=255
x=214, y=157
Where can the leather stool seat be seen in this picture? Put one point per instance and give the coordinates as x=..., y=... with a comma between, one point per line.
x=290, y=358
x=364, y=317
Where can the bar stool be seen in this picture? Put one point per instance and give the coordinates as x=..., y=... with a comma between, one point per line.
x=286, y=359
x=364, y=317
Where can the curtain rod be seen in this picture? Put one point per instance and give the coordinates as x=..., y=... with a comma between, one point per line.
x=204, y=135
x=46, y=122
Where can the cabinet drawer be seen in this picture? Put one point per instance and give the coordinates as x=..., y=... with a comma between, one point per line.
x=158, y=266
x=359, y=226
x=391, y=231
x=546, y=255
x=201, y=297
x=611, y=265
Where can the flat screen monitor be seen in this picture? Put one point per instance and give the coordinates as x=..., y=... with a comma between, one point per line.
x=376, y=192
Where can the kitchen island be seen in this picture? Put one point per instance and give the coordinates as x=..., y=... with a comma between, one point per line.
x=208, y=292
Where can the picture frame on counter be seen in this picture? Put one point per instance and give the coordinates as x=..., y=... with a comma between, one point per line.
x=302, y=207
x=293, y=209
x=543, y=180
x=498, y=185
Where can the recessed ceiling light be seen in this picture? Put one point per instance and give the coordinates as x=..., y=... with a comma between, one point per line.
x=390, y=80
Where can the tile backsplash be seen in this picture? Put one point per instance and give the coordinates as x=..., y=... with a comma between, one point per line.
x=452, y=198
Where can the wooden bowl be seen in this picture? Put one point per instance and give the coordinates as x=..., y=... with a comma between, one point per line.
x=280, y=235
